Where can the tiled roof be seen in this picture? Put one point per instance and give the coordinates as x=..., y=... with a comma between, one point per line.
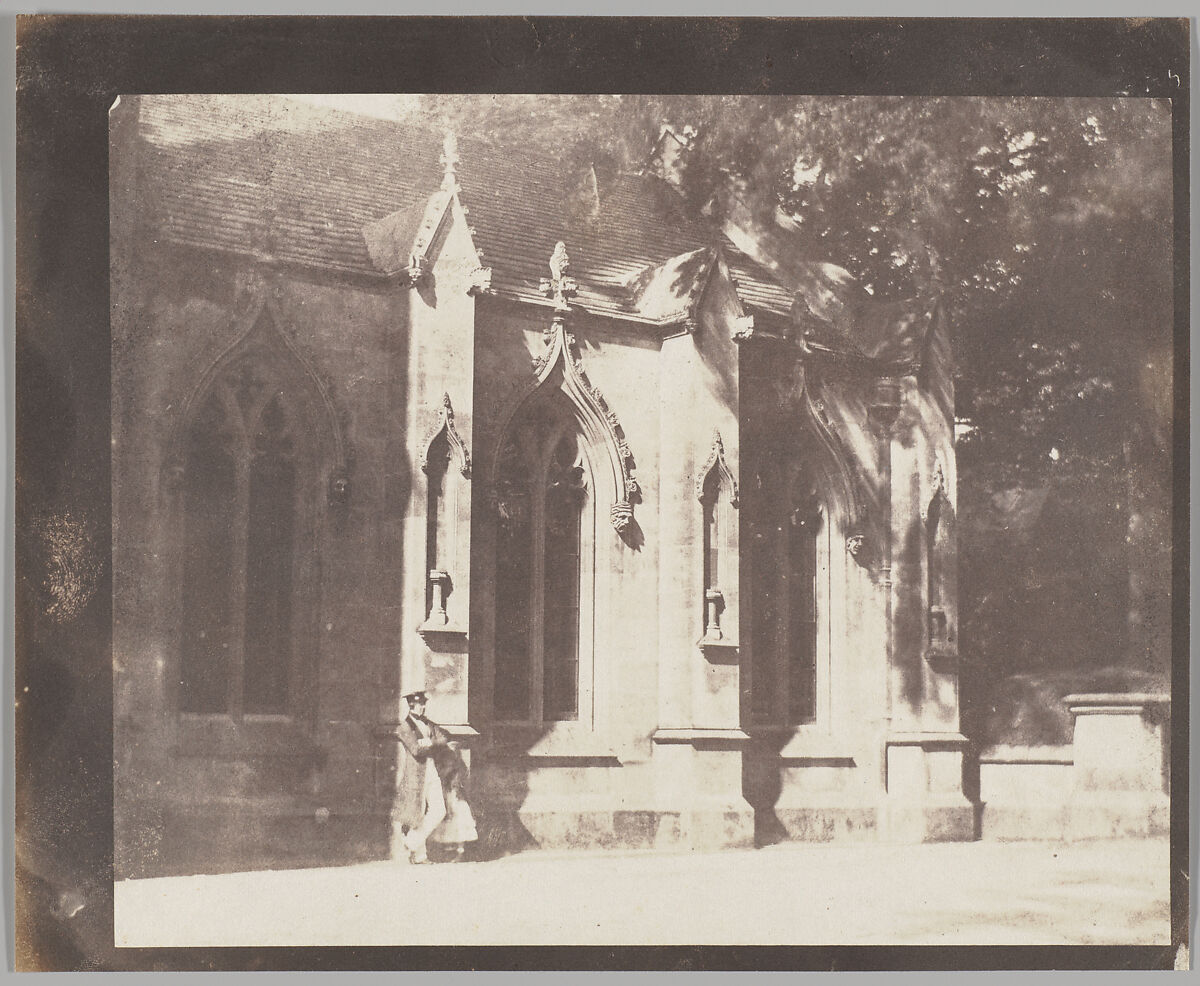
x=301, y=183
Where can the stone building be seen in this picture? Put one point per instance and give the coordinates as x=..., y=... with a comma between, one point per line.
x=671, y=549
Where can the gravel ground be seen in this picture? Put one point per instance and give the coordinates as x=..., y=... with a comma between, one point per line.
x=952, y=893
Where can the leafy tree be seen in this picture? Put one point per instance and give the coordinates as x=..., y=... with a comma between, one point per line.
x=1045, y=224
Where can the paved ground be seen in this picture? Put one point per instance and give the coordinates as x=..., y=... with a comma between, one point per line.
x=961, y=893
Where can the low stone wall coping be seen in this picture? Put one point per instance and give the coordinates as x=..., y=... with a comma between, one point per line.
x=688, y=734
x=1138, y=699
x=926, y=739
x=1015, y=754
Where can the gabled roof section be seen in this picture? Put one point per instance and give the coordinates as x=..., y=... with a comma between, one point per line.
x=671, y=291
x=400, y=241
x=331, y=190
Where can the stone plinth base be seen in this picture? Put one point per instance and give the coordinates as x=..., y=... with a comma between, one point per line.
x=175, y=840
x=1120, y=741
x=1110, y=783
x=953, y=820
x=545, y=827
x=833, y=823
x=1108, y=817
x=925, y=800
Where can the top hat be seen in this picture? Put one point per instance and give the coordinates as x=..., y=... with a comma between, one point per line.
x=417, y=695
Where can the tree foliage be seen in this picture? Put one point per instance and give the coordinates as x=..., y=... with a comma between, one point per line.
x=1045, y=224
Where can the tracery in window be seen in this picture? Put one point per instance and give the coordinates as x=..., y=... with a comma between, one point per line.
x=248, y=483
x=545, y=550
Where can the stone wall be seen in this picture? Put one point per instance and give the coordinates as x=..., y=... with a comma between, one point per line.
x=1111, y=781
x=206, y=792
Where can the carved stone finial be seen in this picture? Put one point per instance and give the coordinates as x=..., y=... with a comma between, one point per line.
x=559, y=286
x=417, y=268
x=449, y=160
x=559, y=261
x=250, y=284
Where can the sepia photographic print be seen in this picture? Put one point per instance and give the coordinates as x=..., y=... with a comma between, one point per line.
x=636, y=520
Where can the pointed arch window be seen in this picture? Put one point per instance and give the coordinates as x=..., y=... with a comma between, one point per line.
x=249, y=487
x=446, y=464
x=718, y=494
x=544, y=570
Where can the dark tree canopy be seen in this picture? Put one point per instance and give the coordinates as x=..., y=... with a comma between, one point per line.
x=1046, y=227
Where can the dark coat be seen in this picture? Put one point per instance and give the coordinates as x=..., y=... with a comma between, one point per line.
x=410, y=785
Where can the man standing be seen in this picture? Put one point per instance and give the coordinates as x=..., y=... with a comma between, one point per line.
x=433, y=781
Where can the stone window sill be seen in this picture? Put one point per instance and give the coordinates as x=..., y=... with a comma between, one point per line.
x=434, y=633
x=718, y=651
x=733, y=739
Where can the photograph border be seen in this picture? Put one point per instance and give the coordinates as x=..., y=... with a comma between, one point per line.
x=71, y=68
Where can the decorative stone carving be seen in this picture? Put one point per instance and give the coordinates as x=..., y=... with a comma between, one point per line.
x=339, y=491
x=854, y=544
x=438, y=583
x=621, y=515
x=264, y=232
x=599, y=422
x=939, y=497
x=252, y=284
x=559, y=286
x=716, y=460
x=481, y=280
x=714, y=602
x=418, y=267
x=743, y=328
x=444, y=421
x=449, y=161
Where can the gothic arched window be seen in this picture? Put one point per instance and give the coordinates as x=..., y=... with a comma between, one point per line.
x=545, y=548
x=247, y=489
x=718, y=494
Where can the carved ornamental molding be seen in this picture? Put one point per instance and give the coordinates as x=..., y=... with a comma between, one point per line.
x=939, y=496
x=716, y=460
x=559, y=366
x=560, y=286
x=743, y=328
x=444, y=421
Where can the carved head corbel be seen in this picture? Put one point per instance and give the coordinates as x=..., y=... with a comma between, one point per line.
x=339, y=491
